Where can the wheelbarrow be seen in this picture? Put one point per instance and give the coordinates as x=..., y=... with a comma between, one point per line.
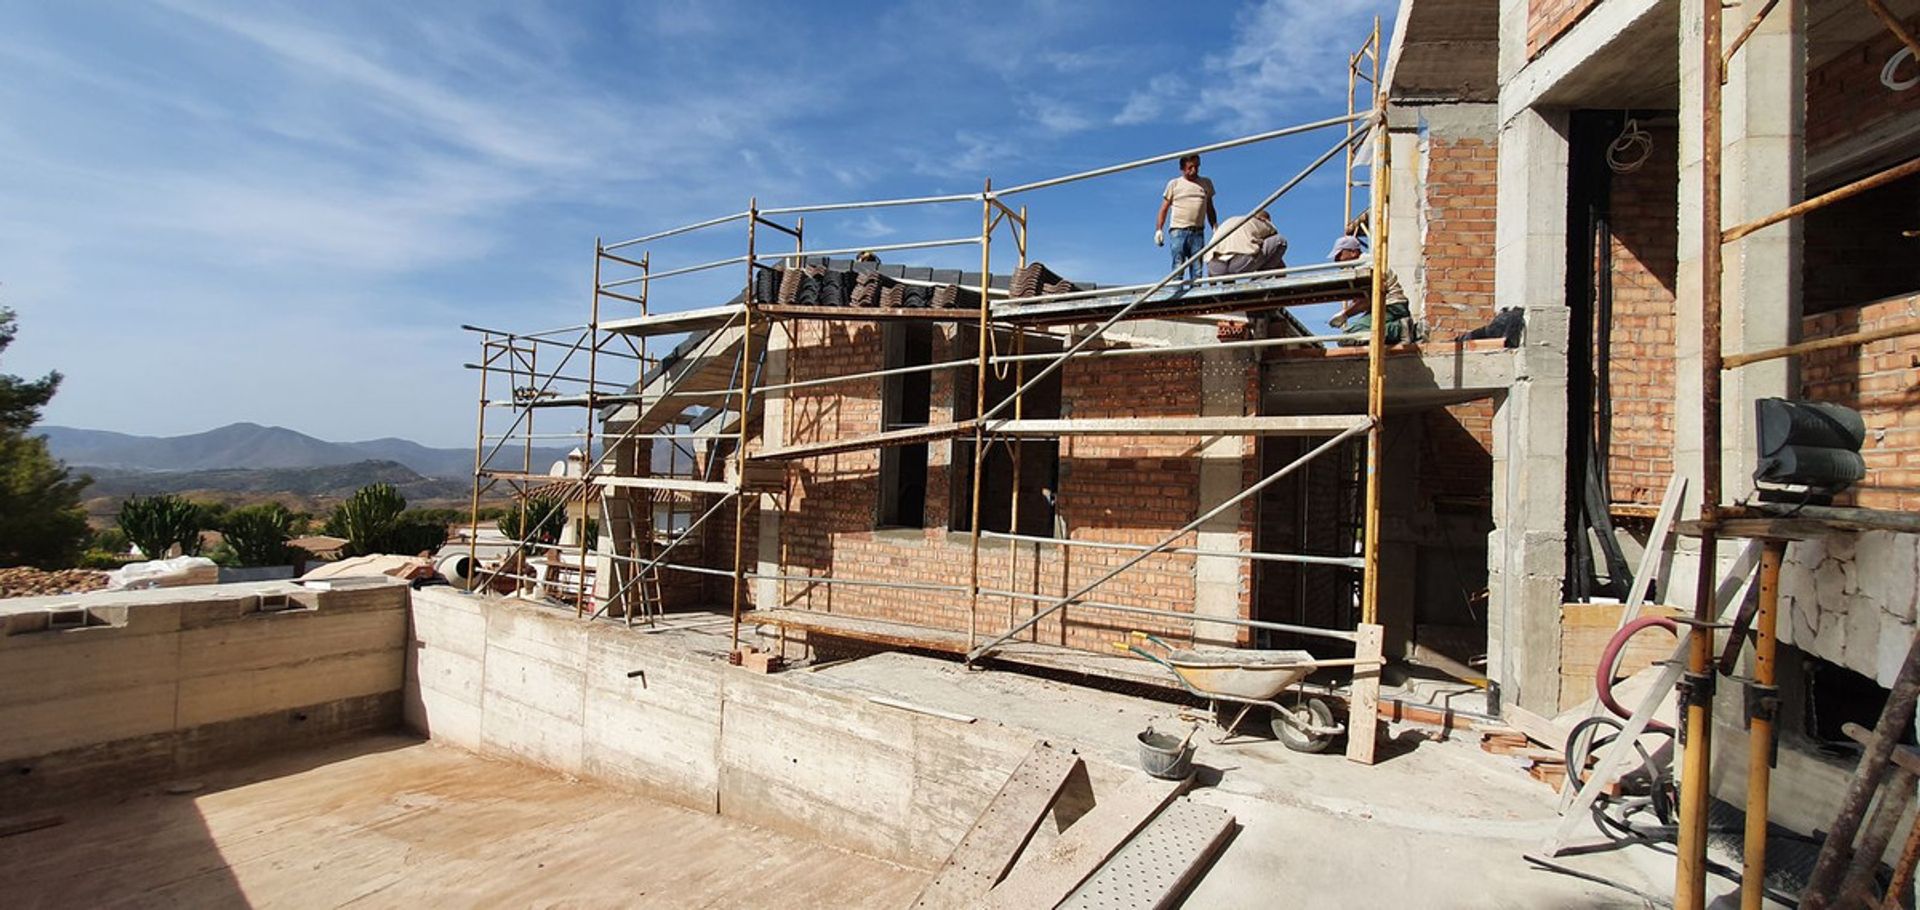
x=1249, y=679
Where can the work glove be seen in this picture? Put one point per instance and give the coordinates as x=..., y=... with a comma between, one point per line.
x=1159, y=238
x=1337, y=322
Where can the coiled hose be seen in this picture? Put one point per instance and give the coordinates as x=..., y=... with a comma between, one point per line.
x=1610, y=664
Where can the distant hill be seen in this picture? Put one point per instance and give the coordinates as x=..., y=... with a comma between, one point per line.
x=327, y=481
x=252, y=447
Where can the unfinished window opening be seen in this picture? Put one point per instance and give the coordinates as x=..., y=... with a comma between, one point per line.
x=673, y=511
x=1860, y=250
x=1837, y=696
x=905, y=403
x=1318, y=511
x=1039, y=458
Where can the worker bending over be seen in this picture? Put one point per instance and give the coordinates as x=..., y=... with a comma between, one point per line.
x=1247, y=244
x=1357, y=317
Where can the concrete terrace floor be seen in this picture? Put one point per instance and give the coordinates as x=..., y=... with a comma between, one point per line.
x=393, y=821
x=1435, y=823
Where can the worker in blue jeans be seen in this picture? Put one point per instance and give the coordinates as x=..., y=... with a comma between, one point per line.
x=1189, y=199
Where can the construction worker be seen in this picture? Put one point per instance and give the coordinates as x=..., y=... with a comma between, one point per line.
x=1189, y=198
x=1360, y=309
x=1246, y=244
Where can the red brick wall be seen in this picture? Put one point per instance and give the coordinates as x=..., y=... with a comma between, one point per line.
x=1882, y=381
x=1845, y=96
x=1644, y=208
x=1117, y=489
x=1461, y=199
x=1547, y=20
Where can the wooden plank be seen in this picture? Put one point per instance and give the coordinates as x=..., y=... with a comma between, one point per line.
x=1539, y=729
x=1047, y=879
x=1363, y=710
x=675, y=484
x=988, y=850
x=1157, y=866
x=1311, y=425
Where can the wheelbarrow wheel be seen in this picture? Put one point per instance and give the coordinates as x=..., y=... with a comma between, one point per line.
x=1312, y=712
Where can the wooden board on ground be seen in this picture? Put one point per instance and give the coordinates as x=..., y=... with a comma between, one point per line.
x=1545, y=731
x=1363, y=710
x=1048, y=878
x=1156, y=867
x=988, y=850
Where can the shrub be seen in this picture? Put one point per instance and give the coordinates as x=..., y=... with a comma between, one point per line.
x=541, y=521
x=258, y=534
x=156, y=524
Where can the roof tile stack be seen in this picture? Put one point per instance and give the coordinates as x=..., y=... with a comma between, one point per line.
x=1035, y=279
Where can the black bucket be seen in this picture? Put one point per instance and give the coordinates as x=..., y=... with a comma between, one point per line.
x=1165, y=756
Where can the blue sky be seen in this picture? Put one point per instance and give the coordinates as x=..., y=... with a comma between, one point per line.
x=283, y=212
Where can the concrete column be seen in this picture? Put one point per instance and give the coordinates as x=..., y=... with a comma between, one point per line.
x=773, y=428
x=1406, y=234
x=1222, y=584
x=1527, y=550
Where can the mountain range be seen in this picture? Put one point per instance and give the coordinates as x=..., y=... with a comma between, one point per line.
x=252, y=446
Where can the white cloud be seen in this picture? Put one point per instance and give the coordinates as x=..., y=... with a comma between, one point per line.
x=1164, y=93
x=1285, y=51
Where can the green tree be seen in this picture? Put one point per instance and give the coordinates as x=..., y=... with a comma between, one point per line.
x=156, y=524
x=41, y=522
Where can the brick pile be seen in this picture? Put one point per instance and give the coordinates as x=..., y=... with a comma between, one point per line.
x=30, y=582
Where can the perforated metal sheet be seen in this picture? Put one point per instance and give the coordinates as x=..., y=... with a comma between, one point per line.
x=1156, y=865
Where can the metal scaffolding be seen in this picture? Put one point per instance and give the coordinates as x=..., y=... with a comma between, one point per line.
x=739, y=466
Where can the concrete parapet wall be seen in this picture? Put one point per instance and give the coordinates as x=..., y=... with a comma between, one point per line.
x=647, y=713
x=106, y=691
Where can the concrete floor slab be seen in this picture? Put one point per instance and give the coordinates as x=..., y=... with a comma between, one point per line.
x=1436, y=823
x=393, y=821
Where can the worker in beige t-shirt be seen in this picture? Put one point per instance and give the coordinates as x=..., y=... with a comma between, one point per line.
x=1189, y=199
x=1246, y=244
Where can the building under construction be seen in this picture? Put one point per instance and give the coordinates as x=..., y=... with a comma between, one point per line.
x=940, y=496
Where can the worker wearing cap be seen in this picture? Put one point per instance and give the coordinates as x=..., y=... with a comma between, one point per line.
x=1246, y=244
x=1189, y=199
x=1357, y=317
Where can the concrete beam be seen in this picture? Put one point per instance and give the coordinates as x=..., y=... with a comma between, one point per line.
x=1596, y=55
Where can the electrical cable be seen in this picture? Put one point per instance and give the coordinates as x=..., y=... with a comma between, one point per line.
x=1888, y=72
x=1630, y=149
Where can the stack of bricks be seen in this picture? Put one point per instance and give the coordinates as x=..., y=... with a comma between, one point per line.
x=1547, y=20
x=1644, y=256
x=1882, y=381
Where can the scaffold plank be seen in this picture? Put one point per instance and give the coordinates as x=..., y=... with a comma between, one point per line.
x=700, y=320
x=869, y=314
x=1295, y=425
x=883, y=440
x=677, y=484
x=989, y=848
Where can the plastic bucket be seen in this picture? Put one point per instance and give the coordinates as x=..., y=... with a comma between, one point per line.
x=1165, y=756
